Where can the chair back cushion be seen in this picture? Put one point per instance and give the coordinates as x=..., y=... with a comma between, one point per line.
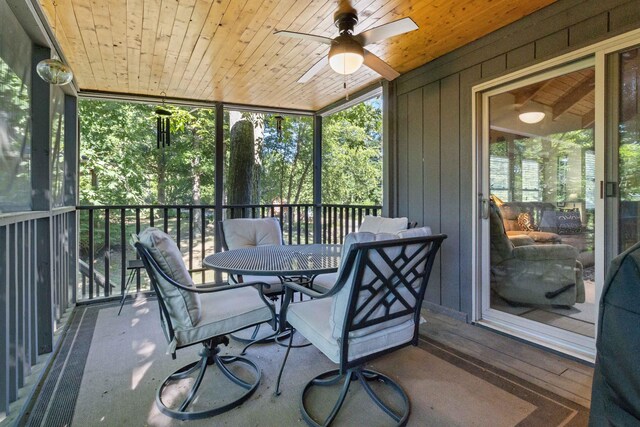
x=501, y=247
x=183, y=306
x=381, y=288
x=249, y=232
x=378, y=224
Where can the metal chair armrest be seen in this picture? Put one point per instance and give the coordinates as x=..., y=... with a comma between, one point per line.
x=306, y=291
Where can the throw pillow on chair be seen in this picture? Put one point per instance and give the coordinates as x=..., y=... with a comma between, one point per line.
x=525, y=221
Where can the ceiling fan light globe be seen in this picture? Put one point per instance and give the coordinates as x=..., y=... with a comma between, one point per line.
x=54, y=72
x=346, y=55
x=346, y=63
x=531, y=117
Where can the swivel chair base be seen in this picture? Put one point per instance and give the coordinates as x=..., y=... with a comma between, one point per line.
x=364, y=376
x=209, y=356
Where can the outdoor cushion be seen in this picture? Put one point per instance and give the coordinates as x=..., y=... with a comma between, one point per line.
x=378, y=224
x=183, y=306
x=310, y=318
x=225, y=312
x=341, y=299
x=250, y=232
x=324, y=282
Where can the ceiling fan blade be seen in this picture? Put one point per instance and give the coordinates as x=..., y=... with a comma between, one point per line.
x=385, y=31
x=304, y=36
x=314, y=70
x=379, y=66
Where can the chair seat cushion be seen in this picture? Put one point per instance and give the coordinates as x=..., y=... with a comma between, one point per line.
x=324, y=282
x=311, y=319
x=225, y=312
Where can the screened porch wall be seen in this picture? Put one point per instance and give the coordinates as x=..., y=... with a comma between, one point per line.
x=432, y=140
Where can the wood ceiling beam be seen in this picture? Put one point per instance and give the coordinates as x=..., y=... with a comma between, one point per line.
x=527, y=93
x=588, y=118
x=573, y=96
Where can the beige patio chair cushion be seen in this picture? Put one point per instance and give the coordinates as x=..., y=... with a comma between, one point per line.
x=249, y=232
x=311, y=319
x=324, y=282
x=378, y=224
x=183, y=306
x=341, y=299
x=225, y=312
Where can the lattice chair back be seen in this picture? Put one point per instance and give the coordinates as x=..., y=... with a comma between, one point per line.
x=383, y=291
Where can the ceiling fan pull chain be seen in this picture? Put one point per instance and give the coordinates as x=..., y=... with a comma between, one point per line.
x=345, y=88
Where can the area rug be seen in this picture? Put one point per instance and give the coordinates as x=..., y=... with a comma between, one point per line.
x=110, y=366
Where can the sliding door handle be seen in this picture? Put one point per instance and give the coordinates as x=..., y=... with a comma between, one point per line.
x=484, y=210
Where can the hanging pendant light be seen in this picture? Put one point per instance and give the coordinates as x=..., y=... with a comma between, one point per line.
x=54, y=71
x=163, y=124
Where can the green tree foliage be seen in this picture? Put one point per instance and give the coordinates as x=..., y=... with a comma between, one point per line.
x=352, y=155
x=120, y=163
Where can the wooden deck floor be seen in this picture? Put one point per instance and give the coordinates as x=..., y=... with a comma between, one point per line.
x=566, y=377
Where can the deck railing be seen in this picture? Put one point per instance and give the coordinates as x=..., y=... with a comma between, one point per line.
x=37, y=262
x=105, y=233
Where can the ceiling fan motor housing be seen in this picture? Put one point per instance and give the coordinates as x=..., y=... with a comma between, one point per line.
x=345, y=21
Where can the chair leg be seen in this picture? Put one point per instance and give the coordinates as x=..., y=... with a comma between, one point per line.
x=364, y=377
x=286, y=356
x=209, y=357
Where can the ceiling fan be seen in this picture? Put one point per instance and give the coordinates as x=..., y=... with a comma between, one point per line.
x=347, y=52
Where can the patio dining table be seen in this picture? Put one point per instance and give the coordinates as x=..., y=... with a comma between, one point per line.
x=285, y=261
x=291, y=263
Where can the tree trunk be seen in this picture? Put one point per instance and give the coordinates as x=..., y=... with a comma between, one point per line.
x=258, y=133
x=241, y=166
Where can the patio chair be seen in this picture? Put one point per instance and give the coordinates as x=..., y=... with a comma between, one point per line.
x=373, y=309
x=246, y=233
x=371, y=224
x=250, y=232
x=203, y=315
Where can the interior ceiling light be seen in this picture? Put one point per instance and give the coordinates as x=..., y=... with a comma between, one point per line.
x=531, y=117
x=54, y=71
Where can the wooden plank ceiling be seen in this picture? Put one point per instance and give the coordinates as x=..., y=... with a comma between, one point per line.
x=225, y=50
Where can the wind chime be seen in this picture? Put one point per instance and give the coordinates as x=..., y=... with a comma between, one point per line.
x=163, y=121
x=279, y=120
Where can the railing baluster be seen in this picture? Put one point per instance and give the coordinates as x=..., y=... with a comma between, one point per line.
x=178, y=227
x=107, y=254
x=306, y=225
x=298, y=224
x=151, y=218
x=137, y=232
x=203, y=221
x=290, y=219
x=90, y=278
x=123, y=251
x=190, y=238
x=165, y=213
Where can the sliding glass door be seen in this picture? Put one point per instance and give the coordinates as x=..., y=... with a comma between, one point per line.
x=539, y=182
